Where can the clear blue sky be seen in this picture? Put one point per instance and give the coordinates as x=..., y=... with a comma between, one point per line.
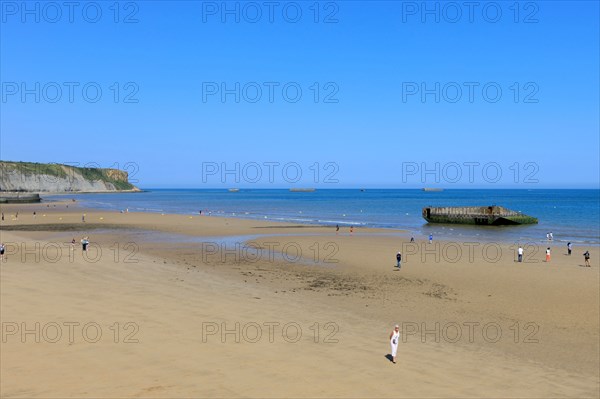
x=370, y=57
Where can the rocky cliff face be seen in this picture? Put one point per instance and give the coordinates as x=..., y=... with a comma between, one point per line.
x=116, y=174
x=35, y=177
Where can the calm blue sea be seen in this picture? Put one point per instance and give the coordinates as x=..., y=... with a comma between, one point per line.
x=572, y=215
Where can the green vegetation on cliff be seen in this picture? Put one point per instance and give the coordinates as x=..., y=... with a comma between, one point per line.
x=33, y=168
x=96, y=174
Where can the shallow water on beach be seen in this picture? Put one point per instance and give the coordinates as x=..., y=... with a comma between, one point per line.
x=246, y=246
x=572, y=215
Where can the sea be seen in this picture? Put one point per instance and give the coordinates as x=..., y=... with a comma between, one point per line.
x=572, y=215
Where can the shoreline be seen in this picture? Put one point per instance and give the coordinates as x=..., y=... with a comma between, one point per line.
x=202, y=228
x=64, y=193
x=401, y=215
x=344, y=226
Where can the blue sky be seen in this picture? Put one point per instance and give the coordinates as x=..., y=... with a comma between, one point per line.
x=362, y=67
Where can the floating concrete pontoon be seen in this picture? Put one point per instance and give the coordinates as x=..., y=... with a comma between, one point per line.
x=480, y=215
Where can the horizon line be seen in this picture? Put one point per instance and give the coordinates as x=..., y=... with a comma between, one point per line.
x=370, y=188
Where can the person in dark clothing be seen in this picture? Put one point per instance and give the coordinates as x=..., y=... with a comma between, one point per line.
x=586, y=256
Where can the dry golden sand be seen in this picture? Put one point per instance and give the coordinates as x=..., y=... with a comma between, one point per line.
x=172, y=291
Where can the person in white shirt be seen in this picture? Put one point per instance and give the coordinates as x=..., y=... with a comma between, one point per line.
x=394, y=338
x=520, y=254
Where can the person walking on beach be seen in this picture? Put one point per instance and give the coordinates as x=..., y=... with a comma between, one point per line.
x=586, y=256
x=73, y=244
x=34, y=214
x=569, y=248
x=1, y=252
x=548, y=254
x=412, y=239
x=3, y=216
x=394, y=338
x=351, y=230
x=520, y=254
x=83, y=218
x=84, y=244
x=398, y=260
x=337, y=229
x=430, y=238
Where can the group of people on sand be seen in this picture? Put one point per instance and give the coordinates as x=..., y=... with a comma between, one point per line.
x=395, y=334
x=15, y=216
x=337, y=229
x=586, y=254
x=85, y=242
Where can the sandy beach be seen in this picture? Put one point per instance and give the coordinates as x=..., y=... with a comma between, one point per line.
x=197, y=306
